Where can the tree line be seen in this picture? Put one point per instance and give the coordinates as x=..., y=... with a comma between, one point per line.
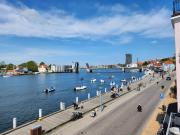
x=30, y=65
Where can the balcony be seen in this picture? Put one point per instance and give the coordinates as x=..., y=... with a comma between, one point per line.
x=174, y=124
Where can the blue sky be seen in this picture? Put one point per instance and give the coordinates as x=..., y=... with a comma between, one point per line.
x=94, y=31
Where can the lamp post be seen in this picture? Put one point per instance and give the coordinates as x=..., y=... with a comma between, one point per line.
x=101, y=102
x=100, y=98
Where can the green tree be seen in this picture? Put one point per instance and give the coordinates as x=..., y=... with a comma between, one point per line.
x=145, y=63
x=10, y=66
x=164, y=60
x=32, y=66
x=42, y=63
x=23, y=65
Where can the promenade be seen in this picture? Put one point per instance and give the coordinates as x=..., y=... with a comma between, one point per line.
x=60, y=118
x=120, y=116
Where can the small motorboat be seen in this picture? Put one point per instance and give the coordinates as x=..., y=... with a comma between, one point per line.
x=48, y=90
x=133, y=77
x=102, y=81
x=80, y=88
x=124, y=80
x=112, y=76
x=93, y=80
x=112, y=83
x=6, y=76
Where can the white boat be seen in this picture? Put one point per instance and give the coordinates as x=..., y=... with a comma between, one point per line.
x=133, y=77
x=93, y=80
x=48, y=90
x=6, y=76
x=134, y=70
x=102, y=81
x=124, y=80
x=36, y=73
x=112, y=83
x=80, y=88
x=112, y=76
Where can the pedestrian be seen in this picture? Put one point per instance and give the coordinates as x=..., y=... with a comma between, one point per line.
x=157, y=82
x=81, y=105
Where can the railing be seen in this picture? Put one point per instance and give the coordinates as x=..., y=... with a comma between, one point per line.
x=172, y=123
x=169, y=124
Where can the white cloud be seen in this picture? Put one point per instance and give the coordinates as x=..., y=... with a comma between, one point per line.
x=119, y=41
x=154, y=41
x=27, y=22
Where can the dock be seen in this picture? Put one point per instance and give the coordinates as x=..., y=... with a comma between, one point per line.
x=61, y=117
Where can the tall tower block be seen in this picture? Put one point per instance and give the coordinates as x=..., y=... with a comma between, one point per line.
x=176, y=25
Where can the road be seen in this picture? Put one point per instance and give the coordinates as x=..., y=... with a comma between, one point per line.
x=125, y=120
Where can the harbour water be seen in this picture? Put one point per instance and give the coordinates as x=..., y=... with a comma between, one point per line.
x=22, y=96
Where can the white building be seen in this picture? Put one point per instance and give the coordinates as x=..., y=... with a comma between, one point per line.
x=61, y=68
x=42, y=68
x=52, y=68
x=133, y=65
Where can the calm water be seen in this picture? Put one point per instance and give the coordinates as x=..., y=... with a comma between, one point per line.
x=22, y=96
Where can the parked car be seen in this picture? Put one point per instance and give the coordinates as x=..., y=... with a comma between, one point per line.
x=168, y=78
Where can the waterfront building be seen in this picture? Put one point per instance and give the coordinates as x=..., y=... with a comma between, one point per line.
x=52, y=68
x=168, y=66
x=68, y=68
x=128, y=59
x=176, y=25
x=132, y=65
x=61, y=68
x=154, y=63
x=42, y=68
x=21, y=70
x=11, y=72
x=140, y=64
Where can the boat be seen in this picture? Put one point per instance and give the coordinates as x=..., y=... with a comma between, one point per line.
x=112, y=76
x=112, y=83
x=133, y=77
x=6, y=76
x=80, y=88
x=93, y=80
x=134, y=70
x=124, y=80
x=36, y=73
x=48, y=90
x=102, y=81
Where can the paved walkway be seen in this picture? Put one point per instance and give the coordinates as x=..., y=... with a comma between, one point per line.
x=56, y=119
x=153, y=125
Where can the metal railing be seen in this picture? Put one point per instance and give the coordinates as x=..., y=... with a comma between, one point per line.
x=169, y=124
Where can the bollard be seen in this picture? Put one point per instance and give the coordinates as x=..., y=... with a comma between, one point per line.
x=14, y=122
x=97, y=93
x=77, y=100
x=62, y=106
x=105, y=90
x=40, y=114
x=122, y=85
x=88, y=95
